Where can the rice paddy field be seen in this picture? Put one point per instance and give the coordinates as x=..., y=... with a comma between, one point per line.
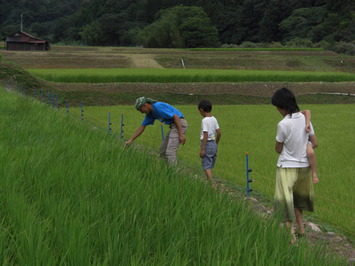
x=81, y=57
x=252, y=129
x=72, y=195
x=185, y=75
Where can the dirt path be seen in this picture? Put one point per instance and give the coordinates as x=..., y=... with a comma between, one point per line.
x=333, y=243
x=143, y=61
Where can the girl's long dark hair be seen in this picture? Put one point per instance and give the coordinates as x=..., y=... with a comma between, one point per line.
x=286, y=100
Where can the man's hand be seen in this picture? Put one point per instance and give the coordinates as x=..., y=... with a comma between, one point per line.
x=182, y=139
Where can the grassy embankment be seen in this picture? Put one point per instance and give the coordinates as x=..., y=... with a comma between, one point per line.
x=72, y=195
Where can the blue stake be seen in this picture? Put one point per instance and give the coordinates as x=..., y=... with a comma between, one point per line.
x=162, y=131
x=109, y=124
x=67, y=105
x=248, y=170
x=34, y=93
x=121, y=130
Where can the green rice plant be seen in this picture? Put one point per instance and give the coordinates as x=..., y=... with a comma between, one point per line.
x=185, y=75
x=72, y=195
x=252, y=129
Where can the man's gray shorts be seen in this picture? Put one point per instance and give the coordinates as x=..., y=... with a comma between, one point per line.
x=171, y=142
x=209, y=159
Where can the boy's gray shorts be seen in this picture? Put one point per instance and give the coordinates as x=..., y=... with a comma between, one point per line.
x=209, y=159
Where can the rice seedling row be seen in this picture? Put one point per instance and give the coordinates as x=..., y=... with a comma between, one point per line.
x=185, y=75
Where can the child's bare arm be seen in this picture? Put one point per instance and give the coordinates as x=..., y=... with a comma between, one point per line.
x=203, y=145
x=307, y=115
x=278, y=146
x=314, y=141
x=218, y=137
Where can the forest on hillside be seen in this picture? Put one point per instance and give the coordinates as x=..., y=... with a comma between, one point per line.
x=180, y=23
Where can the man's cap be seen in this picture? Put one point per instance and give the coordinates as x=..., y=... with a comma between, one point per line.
x=142, y=100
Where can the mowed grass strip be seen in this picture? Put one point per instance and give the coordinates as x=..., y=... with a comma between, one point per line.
x=185, y=75
x=72, y=195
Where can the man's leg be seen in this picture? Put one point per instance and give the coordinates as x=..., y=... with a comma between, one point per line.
x=171, y=149
x=174, y=142
x=163, y=146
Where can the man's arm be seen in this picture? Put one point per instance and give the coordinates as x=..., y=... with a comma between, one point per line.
x=176, y=119
x=136, y=134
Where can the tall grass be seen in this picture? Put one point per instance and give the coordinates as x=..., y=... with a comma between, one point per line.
x=185, y=75
x=252, y=129
x=71, y=195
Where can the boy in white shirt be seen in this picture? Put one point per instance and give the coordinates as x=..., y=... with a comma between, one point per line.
x=210, y=136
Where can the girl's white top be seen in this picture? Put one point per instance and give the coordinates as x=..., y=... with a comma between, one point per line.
x=291, y=131
x=210, y=125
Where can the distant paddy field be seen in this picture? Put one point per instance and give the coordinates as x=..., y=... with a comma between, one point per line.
x=75, y=57
x=112, y=75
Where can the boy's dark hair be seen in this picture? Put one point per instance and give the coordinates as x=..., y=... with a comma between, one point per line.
x=205, y=105
x=285, y=99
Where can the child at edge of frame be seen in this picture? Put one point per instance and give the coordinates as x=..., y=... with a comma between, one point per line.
x=209, y=139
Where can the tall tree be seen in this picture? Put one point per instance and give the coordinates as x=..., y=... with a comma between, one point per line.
x=181, y=27
x=302, y=22
x=249, y=23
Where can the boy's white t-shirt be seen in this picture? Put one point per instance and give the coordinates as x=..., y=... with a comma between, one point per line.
x=210, y=125
x=291, y=131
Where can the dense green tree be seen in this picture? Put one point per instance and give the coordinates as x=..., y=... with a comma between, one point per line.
x=248, y=26
x=119, y=22
x=40, y=29
x=92, y=33
x=302, y=22
x=181, y=27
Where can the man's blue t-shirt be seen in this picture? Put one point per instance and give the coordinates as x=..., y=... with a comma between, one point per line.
x=163, y=112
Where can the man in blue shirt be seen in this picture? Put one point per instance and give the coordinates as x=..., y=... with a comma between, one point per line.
x=166, y=114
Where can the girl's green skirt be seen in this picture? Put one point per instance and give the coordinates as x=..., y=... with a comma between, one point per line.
x=294, y=189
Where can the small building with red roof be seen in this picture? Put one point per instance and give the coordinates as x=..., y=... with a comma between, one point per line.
x=22, y=41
